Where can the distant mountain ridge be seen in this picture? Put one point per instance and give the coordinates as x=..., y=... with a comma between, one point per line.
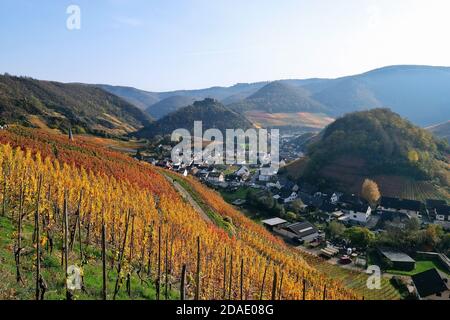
x=84, y=108
x=419, y=93
x=168, y=105
x=441, y=130
x=278, y=97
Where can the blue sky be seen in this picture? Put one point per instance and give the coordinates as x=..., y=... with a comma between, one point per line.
x=165, y=45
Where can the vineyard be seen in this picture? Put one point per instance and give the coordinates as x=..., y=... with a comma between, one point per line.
x=77, y=203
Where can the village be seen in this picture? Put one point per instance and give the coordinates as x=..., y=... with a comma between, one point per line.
x=304, y=217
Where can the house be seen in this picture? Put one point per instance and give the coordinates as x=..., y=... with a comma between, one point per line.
x=433, y=204
x=335, y=197
x=243, y=173
x=265, y=177
x=202, y=174
x=441, y=216
x=194, y=171
x=273, y=223
x=291, y=198
x=216, y=177
x=303, y=232
x=409, y=207
x=347, y=200
x=273, y=185
x=441, y=213
x=398, y=260
x=328, y=207
x=337, y=215
x=431, y=286
x=358, y=214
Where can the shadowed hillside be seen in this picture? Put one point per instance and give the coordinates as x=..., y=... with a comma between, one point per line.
x=211, y=112
x=56, y=105
x=378, y=144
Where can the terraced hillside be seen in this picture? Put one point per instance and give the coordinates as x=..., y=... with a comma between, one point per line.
x=55, y=191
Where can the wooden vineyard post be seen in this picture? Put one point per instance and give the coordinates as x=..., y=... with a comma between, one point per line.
x=78, y=225
x=183, y=283
x=242, y=280
x=104, y=260
x=130, y=257
x=166, y=268
x=263, y=282
x=230, y=282
x=38, y=244
x=150, y=251
x=325, y=292
x=197, y=275
x=158, y=279
x=121, y=254
x=281, y=285
x=225, y=274
x=66, y=244
x=19, y=233
x=274, y=285
x=5, y=186
x=304, y=289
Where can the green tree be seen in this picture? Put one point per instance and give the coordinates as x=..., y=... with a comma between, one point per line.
x=297, y=206
x=359, y=236
x=291, y=216
x=335, y=230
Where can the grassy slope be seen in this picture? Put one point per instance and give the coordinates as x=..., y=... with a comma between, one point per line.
x=53, y=272
x=421, y=266
x=356, y=281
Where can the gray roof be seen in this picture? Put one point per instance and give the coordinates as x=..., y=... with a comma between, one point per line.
x=274, y=222
x=302, y=229
x=395, y=256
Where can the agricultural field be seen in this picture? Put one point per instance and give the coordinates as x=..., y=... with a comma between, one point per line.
x=421, y=266
x=300, y=119
x=356, y=280
x=351, y=173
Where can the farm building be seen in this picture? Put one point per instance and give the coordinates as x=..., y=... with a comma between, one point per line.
x=398, y=260
x=303, y=232
x=216, y=177
x=273, y=223
x=409, y=207
x=431, y=286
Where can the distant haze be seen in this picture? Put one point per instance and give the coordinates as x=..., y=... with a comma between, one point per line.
x=179, y=44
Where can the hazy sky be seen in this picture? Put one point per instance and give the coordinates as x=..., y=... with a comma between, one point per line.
x=164, y=45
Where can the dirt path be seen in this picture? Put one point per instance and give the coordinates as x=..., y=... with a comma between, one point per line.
x=186, y=196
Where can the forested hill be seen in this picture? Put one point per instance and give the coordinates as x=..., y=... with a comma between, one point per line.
x=211, y=112
x=280, y=97
x=387, y=144
x=56, y=105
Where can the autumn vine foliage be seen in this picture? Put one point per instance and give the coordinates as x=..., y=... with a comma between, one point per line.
x=147, y=228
